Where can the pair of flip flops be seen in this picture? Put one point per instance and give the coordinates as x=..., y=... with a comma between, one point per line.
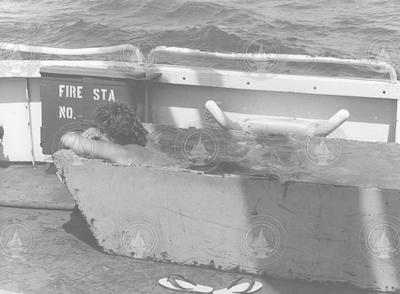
x=238, y=286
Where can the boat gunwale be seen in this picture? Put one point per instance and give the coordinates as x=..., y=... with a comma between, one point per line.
x=256, y=177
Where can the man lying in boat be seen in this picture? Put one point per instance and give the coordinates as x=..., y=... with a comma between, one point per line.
x=119, y=137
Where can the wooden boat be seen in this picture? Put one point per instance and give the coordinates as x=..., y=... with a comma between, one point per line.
x=323, y=223
x=309, y=207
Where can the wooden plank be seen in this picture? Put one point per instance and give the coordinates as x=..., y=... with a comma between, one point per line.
x=297, y=159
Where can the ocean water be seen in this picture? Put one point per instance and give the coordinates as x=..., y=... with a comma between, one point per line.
x=338, y=28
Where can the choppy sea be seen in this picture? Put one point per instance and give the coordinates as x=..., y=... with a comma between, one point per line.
x=338, y=28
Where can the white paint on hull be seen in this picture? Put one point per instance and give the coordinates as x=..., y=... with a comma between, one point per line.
x=17, y=137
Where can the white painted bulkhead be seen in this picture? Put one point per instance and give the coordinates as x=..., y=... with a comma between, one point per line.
x=179, y=95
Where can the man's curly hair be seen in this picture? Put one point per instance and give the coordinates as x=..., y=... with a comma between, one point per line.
x=119, y=123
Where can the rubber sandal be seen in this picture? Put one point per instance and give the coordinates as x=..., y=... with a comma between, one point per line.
x=182, y=284
x=235, y=287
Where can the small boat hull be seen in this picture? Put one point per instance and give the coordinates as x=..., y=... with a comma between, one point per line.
x=230, y=222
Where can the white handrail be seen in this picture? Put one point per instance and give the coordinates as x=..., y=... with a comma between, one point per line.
x=73, y=52
x=285, y=57
x=196, y=52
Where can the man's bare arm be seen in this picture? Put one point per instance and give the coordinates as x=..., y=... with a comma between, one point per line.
x=97, y=149
x=124, y=155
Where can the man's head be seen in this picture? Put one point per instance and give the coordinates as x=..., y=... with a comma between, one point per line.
x=119, y=123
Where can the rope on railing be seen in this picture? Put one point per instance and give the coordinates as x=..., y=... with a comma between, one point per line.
x=284, y=57
x=73, y=52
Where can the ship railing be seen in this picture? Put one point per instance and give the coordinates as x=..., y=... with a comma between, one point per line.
x=260, y=57
x=75, y=52
x=278, y=57
x=201, y=53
